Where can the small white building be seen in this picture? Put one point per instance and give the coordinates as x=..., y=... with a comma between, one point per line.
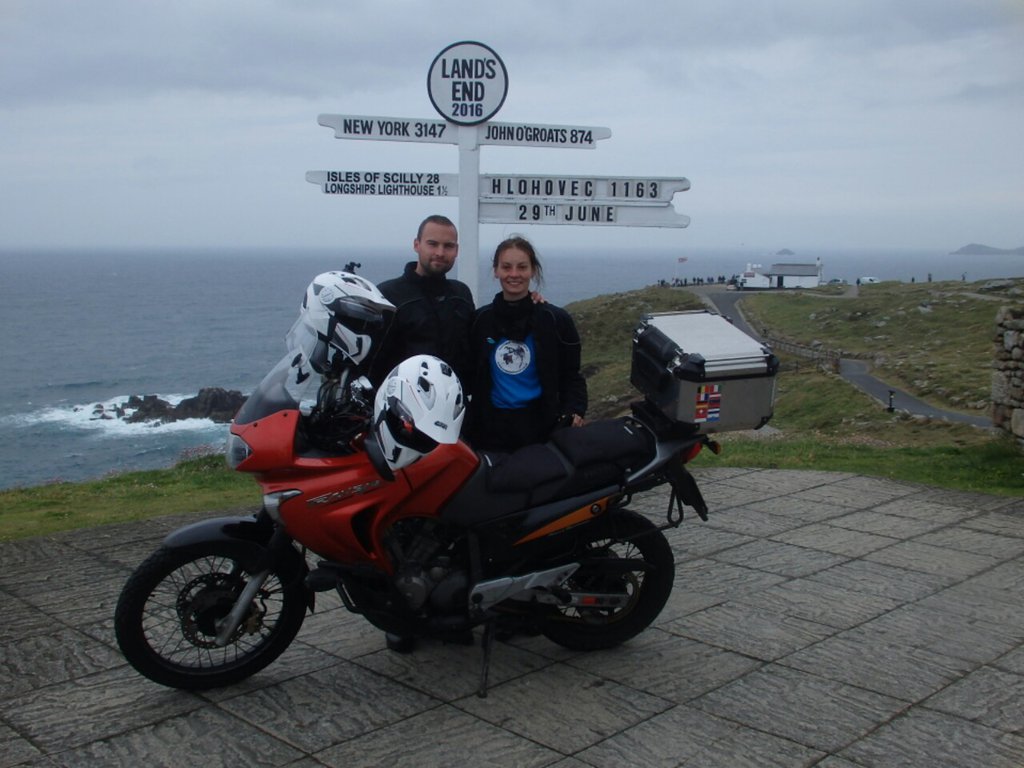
x=781, y=276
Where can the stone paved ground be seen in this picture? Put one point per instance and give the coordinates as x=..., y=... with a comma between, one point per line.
x=818, y=619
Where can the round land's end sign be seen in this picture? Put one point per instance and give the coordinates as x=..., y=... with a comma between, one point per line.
x=467, y=83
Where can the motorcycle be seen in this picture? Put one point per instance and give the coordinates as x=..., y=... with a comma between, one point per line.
x=372, y=494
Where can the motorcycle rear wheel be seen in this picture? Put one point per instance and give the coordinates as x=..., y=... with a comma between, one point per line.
x=165, y=621
x=647, y=587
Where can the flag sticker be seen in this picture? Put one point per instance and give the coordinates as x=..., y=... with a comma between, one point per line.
x=709, y=403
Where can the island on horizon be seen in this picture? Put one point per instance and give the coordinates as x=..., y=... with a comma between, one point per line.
x=976, y=249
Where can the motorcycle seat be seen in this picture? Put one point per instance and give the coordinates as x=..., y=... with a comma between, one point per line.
x=573, y=461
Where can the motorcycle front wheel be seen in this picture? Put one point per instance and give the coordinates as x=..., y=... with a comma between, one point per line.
x=167, y=616
x=633, y=560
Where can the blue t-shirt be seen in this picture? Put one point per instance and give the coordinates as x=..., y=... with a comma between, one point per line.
x=515, y=381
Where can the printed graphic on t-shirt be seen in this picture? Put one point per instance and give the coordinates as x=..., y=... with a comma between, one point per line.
x=512, y=357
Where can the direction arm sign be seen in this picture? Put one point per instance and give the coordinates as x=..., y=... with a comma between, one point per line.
x=390, y=183
x=375, y=128
x=621, y=190
x=535, y=135
x=596, y=212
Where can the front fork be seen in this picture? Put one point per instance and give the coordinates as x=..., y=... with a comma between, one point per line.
x=227, y=626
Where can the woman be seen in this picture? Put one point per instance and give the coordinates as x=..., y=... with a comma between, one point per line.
x=527, y=376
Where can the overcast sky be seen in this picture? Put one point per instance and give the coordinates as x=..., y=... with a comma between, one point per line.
x=800, y=123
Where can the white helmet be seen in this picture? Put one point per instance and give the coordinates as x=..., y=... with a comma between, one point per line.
x=419, y=405
x=340, y=319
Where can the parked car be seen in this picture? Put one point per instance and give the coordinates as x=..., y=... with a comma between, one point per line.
x=866, y=280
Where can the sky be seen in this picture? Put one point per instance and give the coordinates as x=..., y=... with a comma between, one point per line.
x=135, y=124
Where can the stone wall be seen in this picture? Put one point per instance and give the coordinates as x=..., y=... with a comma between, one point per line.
x=1008, y=371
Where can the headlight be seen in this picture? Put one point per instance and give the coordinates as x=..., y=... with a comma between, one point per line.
x=237, y=450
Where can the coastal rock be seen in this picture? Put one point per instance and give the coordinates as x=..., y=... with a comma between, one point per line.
x=147, y=408
x=214, y=403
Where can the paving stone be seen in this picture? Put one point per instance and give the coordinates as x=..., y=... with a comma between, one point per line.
x=971, y=500
x=925, y=507
x=801, y=511
x=894, y=526
x=945, y=633
x=328, y=706
x=665, y=665
x=926, y=739
x=710, y=577
x=998, y=523
x=871, y=662
x=745, y=629
x=56, y=657
x=298, y=660
x=22, y=620
x=683, y=601
x=23, y=573
x=449, y=672
x=855, y=493
x=941, y=561
x=440, y=738
x=821, y=603
x=839, y=541
x=1007, y=577
x=819, y=713
x=988, y=696
x=695, y=542
x=786, y=483
x=883, y=580
x=193, y=740
x=81, y=603
x=341, y=633
x=685, y=736
x=14, y=750
x=1012, y=661
x=727, y=495
x=968, y=539
x=752, y=522
x=92, y=708
x=974, y=601
x=779, y=558
x=563, y=708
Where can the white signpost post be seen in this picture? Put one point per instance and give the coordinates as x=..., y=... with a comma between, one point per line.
x=467, y=85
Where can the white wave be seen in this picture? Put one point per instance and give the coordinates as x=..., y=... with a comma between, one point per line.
x=108, y=418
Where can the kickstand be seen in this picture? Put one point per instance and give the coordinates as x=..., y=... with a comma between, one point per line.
x=487, y=643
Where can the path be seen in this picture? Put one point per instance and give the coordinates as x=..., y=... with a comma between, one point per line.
x=857, y=372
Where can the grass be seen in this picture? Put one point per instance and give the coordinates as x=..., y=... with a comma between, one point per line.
x=194, y=485
x=820, y=421
x=934, y=340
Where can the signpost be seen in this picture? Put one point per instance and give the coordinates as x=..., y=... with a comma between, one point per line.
x=467, y=84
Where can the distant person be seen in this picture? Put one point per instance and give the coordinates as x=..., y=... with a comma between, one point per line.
x=527, y=378
x=433, y=312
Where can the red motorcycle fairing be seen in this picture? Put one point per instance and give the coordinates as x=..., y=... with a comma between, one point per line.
x=344, y=505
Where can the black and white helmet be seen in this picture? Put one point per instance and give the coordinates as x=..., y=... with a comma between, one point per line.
x=341, y=317
x=419, y=405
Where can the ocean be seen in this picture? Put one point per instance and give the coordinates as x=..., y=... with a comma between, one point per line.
x=90, y=328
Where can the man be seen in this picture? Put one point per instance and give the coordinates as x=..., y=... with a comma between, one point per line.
x=433, y=312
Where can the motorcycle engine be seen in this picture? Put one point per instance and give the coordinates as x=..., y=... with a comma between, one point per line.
x=424, y=570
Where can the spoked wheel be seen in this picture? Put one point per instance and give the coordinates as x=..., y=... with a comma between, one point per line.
x=169, y=612
x=633, y=563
